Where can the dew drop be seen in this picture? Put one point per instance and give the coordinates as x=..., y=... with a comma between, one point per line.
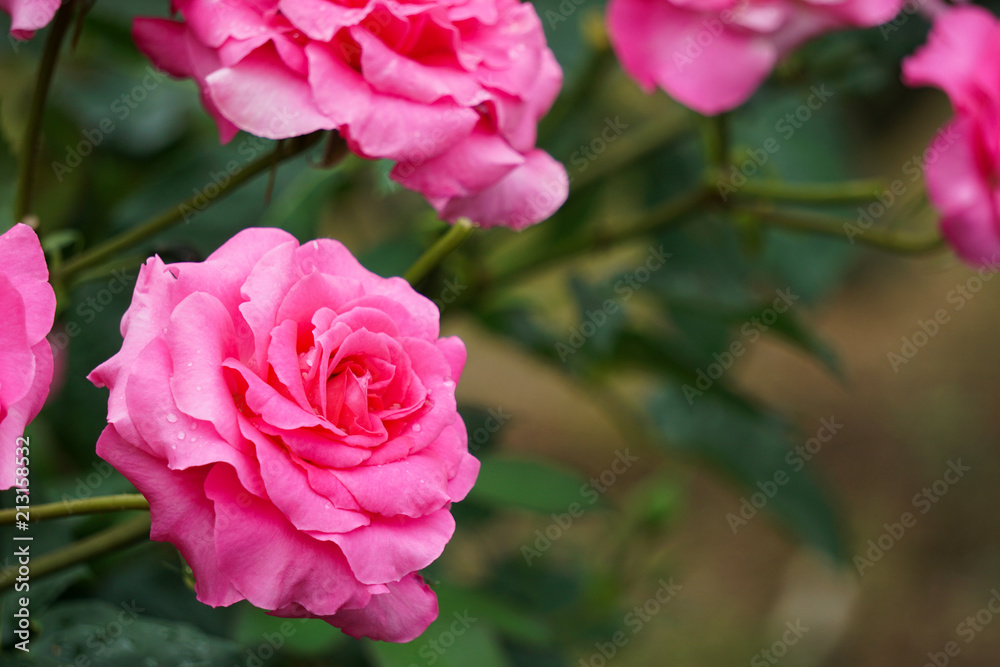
x=449, y=383
x=395, y=406
x=173, y=446
x=417, y=427
x=172, y=418
x=197, y=388
x=194, y=426
x=190, y=364
x=180, y=436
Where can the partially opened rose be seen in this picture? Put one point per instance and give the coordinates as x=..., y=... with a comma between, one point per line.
x=711, y=55
x=962, y=57
x=451, y=90
x=27, y=309
x=291, y=419
x=27, y=16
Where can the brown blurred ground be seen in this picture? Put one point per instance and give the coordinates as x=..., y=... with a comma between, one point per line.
x=900, y=431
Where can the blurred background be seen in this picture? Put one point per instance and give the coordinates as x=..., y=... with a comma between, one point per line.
x=644, y=499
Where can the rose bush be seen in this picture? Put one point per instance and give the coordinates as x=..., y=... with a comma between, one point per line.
x=451, y=90
x=711, y=55
x=962, y=57
x=27, y=309
x=27, y=16
x=291, y=419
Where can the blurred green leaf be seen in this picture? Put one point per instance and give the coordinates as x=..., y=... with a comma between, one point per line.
x=306, y=637
x=441, y=645
x=526, y=484
x=509, y=620
x=751, y=447
x=99, y=634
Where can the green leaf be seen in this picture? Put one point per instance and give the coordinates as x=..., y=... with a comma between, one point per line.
x=751, y=447
x=441, y=645
x=509, y=620
x=304, y=636
x=791, y=328
x=529, y=485
x=101, y=634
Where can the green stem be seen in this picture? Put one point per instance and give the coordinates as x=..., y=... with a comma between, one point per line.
x=451, y=239
x=179, y=213
x=106, y=541
x=813, y=193
x=717, y=139
x=33, y=132
x=671, y=213
x=831, y=225
x=118, y=503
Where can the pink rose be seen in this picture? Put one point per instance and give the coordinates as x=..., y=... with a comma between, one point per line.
x=27, y=309
x=712, y=55
x=962, y=57
x=291, y=419
x=27, y=16
x=451, y=90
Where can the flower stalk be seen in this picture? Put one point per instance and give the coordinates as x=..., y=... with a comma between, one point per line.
x=33, y=132
x=177, y=214
x=106, y=541
x=99, y=505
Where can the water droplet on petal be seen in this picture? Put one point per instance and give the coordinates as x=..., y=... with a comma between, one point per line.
x=449, y=383
x=194, y=426
x=172, y=418
x=180, y=436
x=417, y=427
x=197, y=388
x=190, y=364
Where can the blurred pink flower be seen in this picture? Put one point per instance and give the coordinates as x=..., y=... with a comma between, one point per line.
x=291, y=419
x=962, y=57
x=27, y=16
x=27, y=309
x=451, y=90
x=711, y=55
